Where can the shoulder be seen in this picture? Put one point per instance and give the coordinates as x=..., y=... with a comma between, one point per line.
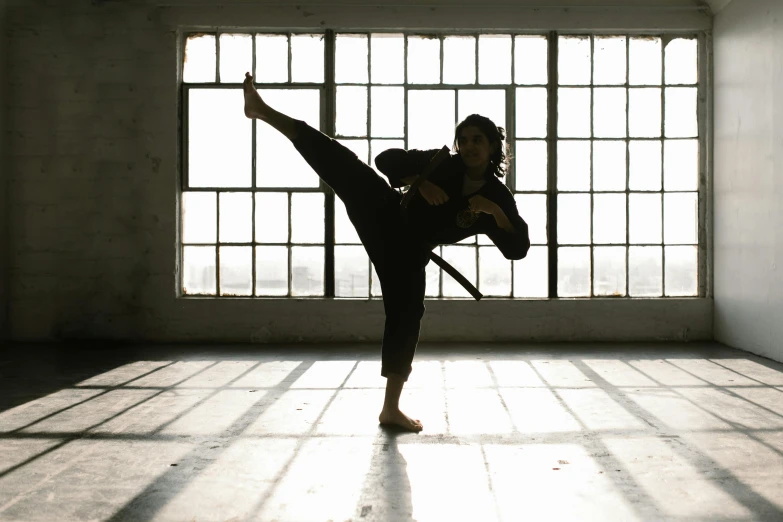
x=498, y=187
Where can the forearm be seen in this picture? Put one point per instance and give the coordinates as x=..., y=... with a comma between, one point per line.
x=409, y=180
x=500, y=217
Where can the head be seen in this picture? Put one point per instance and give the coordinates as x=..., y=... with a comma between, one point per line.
x=479, y=142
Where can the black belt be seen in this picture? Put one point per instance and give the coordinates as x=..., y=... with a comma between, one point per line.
x=436, y=160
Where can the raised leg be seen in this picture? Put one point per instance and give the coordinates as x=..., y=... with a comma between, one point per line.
x=355, y=182
x=255, y=107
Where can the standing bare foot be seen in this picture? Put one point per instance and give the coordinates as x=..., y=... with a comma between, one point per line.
x=254, y=105
x=398, y=418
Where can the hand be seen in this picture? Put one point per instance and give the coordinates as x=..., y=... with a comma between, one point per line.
x=503, y=222
x=433, y=194
x=479, y=203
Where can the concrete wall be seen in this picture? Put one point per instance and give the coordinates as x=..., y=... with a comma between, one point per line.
x=94, y=179
x=748, y=44
x=4, y=201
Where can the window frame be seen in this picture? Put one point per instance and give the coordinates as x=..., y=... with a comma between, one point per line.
x=327, y=91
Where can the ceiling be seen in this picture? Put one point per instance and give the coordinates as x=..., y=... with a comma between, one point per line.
x=718, y=5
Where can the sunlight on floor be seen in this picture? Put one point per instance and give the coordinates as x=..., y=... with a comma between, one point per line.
x=504, y=439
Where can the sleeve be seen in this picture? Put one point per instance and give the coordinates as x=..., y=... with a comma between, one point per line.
x=512, y=245
x=396, y=164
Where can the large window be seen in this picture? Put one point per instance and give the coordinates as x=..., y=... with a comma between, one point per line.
x=604, y=133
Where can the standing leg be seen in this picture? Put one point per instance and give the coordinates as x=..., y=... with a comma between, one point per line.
x=403, y=300
x=364, y=193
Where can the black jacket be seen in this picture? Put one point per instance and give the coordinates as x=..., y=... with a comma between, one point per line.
x=450, y=223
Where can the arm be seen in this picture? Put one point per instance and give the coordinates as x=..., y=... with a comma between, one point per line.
x=510, y=233
x=398, y=164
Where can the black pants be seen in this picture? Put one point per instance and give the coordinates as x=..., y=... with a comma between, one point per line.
x=398, y=256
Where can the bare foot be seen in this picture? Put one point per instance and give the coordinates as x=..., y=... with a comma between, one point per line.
x=254, y=105
x=398, y=418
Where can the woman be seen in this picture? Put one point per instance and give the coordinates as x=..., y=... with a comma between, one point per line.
x=461, y=198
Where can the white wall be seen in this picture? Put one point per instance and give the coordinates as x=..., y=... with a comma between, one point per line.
x=748, y=162
x=93, y=104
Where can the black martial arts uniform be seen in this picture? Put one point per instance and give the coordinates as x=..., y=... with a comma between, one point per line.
x=399, y=244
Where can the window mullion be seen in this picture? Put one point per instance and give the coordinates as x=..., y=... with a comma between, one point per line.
x=329, y=129
x=552, y=163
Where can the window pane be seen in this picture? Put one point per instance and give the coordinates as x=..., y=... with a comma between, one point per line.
x=609, y=67
x=487, y=102
x=375, y=286
x=494, y=58
x=359, y=147
x=198, y=270
x=531, y=273
x=271, y=217
x=573, y=165
x=351, y=272
x=608, y=165
x=644, y=215
x=219, y=139
x=682, y=271
x=681, y=164
x=423, y=59
x=272, y=270
x=344, y=231
x=532, y=208
x=494, y=272
x=530, y=60
x=645, y=165
x=531, y=119
x=608, y=218
x=271, y=58
x=307, y=58
x=278, y=163
x=200, y=59
x=680, y=218
x=463, y=258
x=387, y=58
x=236, y=270
x=573, y=219
x=680, y=119
x=645, y=271
x=430, y=119
x=459, y=59
x=573, y=64
x=645, y=61
x=307, y=218
x=530, y=167
x=644, y=117
x=236, y=217
x=307, y=271
x=573, y=272
x=433, y=274
x=609, y=112
x=351, y=117
x=351, y=54
x=680, y=65
x=573, y=110
x=236, y=57
x=378, y=146
x=388, y=112
x=199, y=217
x=609, y=272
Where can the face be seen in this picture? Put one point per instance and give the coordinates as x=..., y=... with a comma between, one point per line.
x=474, y=147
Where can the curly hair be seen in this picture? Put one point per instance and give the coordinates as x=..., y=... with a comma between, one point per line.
x=501, y=158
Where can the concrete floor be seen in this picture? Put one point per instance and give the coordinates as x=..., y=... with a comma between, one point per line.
x=525, y=432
